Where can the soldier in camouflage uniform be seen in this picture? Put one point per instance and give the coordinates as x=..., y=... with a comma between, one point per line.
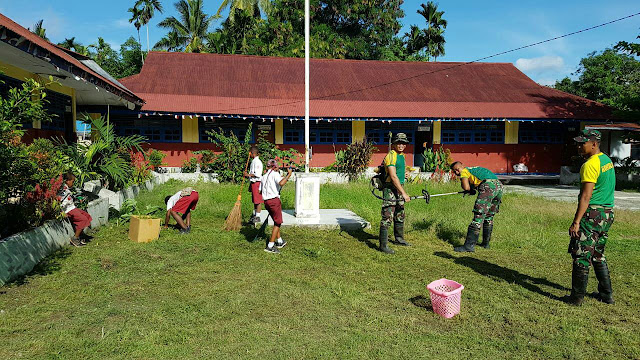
x=394, y=194
x=487, y=205
x=593, y=218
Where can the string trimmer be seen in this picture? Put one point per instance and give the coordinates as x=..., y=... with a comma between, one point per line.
x=426, y=196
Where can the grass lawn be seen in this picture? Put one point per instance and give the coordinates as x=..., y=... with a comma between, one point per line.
x=213, y=295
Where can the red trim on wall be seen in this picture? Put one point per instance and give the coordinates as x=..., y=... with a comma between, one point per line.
x=500, y=158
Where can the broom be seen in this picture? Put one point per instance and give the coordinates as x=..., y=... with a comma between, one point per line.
x=234, y=220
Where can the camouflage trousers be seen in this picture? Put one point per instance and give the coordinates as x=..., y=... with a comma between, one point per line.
x=392, y=208
x=487, y=203
x=592, y=237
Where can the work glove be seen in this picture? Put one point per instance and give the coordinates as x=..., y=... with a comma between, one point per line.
x=469, y=192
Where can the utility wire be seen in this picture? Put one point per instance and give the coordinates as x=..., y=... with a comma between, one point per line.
x=440, y=70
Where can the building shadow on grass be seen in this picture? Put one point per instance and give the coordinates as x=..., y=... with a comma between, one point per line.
x=46, y=266
x=500, y=272
x=363, y=237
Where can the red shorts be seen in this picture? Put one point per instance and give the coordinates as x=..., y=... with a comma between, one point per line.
x=80, y=219
x=274, y=208
x=254, y=189
x=186, y=203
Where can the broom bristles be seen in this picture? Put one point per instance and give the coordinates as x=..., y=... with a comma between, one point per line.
x=234, y=220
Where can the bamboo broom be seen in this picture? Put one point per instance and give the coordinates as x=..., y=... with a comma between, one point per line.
x=234, y=220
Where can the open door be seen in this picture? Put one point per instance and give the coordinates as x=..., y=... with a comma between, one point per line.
x=423, y=141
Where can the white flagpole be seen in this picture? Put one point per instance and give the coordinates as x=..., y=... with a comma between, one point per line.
x=307, y=27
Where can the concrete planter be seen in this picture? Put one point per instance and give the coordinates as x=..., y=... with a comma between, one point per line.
x=567, y=177
x=99, y=211
x=628, y=177
x=21, y=252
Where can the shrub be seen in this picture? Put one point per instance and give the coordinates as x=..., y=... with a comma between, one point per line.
x=436, y=160
x=355, y=159
x=155, y=158
x=190, y=165
x=44, y=199
x=47, y=161
x=207, y=160
x=141, y=168
x=269, y=150
x=230, y=163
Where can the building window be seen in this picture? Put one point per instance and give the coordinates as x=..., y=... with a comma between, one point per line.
x=472, y=132
x=381, y=137
x=292, y=136
x=635, y=151
x=204, y=127
x=539, y=132
x=152, y=130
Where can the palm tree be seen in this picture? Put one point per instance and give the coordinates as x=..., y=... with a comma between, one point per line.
x=253, y=7
x=136, y=19
x=69, y=43
x=147, y=11
x=39, y=30
x=189, y=32
x=434, y=32
x=415, y=40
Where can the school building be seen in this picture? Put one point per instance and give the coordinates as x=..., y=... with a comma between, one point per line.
x=487, y=114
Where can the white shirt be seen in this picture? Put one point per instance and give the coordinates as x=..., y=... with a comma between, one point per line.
x=173, y=200
x=66, y=199
x=270, y=185
x=256, y=169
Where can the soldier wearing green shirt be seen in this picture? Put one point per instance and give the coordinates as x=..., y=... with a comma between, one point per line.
x=487, y=204
x=593, y=218
x=394, y=194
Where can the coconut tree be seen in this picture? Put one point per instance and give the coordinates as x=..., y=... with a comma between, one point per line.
x=136, y=19
x=434, y=32
x=189, y=31
x=39, y=30
x=255, y=7
x=69, y=43
x=147, y=10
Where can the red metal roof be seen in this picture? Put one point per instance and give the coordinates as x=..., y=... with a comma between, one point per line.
x=62, y=54
x=616, y=126
x=271, y=86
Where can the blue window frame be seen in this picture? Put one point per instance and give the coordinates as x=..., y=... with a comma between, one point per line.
x=539, y=132
x=381, y=137
x=57, y=105
x=323, y=133
x=227, y=128
x=160, y=131
x=472, y=132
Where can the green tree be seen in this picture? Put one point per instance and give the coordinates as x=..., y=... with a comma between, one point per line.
x=609, y=77
x=106, y=57
x=136, y=19
x=69, y=43
x=255, y=8
x=189, y=32
x=434, y=33
x=628, y=48
x=147, y=9
x=130, y=58
x=39, y=30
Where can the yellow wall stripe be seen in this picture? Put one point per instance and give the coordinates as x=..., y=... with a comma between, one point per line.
x=357, y=130
x=437, y=128
x=190, y=132
x=511, y=129
x=279, y=132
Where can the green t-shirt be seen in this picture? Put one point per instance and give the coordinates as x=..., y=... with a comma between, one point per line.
x=599, y=169
x=477, y=174
x=396, y=160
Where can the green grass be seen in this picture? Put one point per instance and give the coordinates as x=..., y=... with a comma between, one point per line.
x=214, y=295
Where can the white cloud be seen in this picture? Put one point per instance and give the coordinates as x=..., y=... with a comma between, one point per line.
x=546, y=81
x=122, y=23
x=540, y=64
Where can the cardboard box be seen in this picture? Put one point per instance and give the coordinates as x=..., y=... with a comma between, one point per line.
x=144, y=229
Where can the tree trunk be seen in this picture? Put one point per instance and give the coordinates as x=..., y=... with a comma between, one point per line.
x=141, y=52
x=147, y=38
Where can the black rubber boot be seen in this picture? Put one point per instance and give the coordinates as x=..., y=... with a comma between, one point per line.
x=579, y=280
x=487, y=228
x=605, y=293
x=384, y=238
x=398, y=234
x=473, y=233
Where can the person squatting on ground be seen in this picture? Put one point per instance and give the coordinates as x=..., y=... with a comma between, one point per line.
x=270, y=185
x=394, y=194
x=254, y=175
x=593, y=219
x=487, y=205
x=80, y=219
x=179, y=206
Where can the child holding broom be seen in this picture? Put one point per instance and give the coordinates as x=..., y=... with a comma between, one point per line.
x=270, y=185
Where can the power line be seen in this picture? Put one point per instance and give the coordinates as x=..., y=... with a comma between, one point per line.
x=440, y=70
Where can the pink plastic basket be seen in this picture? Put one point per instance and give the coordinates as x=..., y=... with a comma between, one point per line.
x=445, y=297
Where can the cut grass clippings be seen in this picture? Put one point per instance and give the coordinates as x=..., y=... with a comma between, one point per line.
x=213, y=294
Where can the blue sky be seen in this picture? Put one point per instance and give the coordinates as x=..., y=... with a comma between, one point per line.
x=476, y=29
